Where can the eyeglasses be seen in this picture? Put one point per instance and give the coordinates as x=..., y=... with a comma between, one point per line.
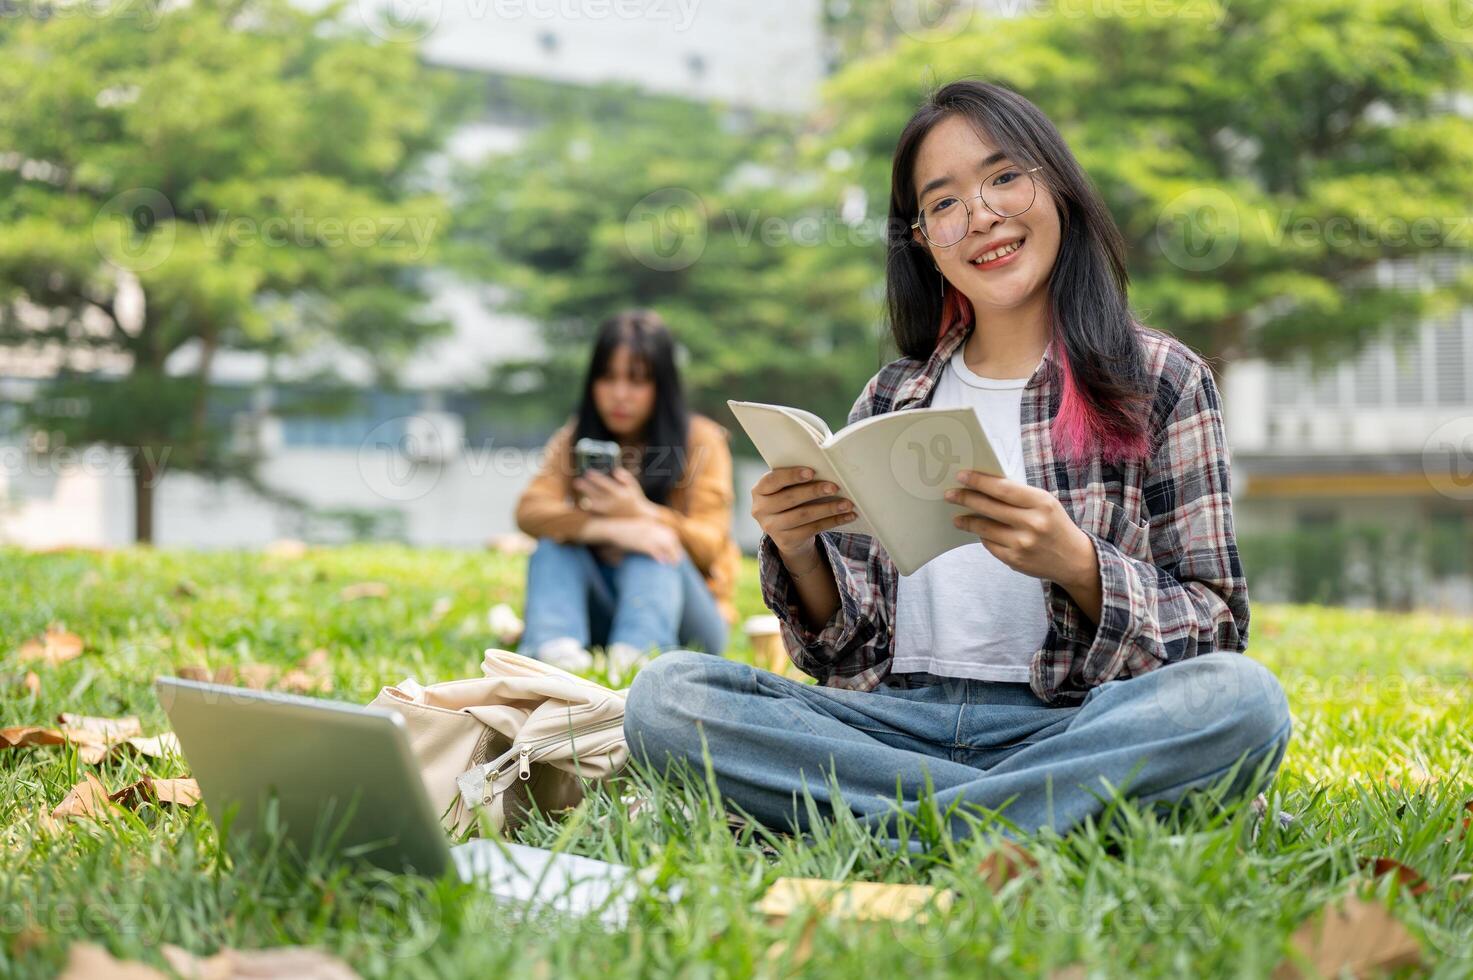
x=1004, y=192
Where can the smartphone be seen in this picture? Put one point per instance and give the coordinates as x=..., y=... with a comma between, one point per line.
x=595, y=454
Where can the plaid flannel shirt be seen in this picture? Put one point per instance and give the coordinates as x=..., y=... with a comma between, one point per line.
x=1170, y=576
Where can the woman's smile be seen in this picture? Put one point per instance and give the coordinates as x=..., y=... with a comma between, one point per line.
x=1008, y=256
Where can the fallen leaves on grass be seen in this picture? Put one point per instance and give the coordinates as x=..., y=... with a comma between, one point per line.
x=863, y=900
x=1009, y=861
x=312, y=675
x=1355, y=937
x=1406, y=876
x=96, y=738
x=364, y=590
x=24, y=736
x=514, y=543
x=30, y=682
x=90, y=797
x=87, y=960
x=101, y=738
x=55, y=646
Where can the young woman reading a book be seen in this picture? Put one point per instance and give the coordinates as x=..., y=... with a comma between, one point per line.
x=1092, y=640
x=641, y=559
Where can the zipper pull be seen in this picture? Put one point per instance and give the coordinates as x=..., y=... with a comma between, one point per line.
x=524, y=769
x=488, y=790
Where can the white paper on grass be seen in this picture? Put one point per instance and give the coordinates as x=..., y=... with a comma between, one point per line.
x=548, y=880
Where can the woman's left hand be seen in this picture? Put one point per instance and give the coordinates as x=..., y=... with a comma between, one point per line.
x=619, y=495
x=1026, y=527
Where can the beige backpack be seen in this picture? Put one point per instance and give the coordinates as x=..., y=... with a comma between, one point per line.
x=526, y=731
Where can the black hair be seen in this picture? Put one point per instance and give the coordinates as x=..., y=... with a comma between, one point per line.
x=1106, y=401
x=652, y=348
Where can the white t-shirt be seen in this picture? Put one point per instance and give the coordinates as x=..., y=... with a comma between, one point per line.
x=965, y=613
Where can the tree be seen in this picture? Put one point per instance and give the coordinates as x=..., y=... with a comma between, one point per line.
x=1261, y=158
x=238, y=174
x=719, y=220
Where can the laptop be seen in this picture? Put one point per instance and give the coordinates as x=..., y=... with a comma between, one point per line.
x=345, y=780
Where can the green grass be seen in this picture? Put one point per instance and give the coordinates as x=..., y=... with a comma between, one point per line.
x=1382, y=712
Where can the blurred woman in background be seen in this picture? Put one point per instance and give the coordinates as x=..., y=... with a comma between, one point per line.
x=641, y=560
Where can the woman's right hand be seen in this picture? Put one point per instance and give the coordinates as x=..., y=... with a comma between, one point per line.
x=783, y=504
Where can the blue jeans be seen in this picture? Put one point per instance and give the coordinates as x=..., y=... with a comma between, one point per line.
x=1155, y=737
x=640, y=601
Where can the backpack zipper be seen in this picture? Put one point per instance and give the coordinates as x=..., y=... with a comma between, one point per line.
x=524, y=762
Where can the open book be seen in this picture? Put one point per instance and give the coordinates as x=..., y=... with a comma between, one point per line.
x=896, y=467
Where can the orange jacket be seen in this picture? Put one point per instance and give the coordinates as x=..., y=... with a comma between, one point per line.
x=699, y=507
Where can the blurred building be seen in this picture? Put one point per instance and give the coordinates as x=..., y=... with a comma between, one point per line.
x=1362, y=467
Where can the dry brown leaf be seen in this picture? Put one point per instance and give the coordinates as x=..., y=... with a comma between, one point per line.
x=514, y=543
x=55, y=646
x=1406, y=876
x=1009, y=861
x=865, y=900
x=86, y=961
x=86, y=799
x=31, y=682
x=313, y=675
x=257, y=676
x=199, y=672
x=112, y=729
x=178, y=792
x=286, y=548
x=295, y=962
x=364, y=590
x=24, y=736
x=1358, y=937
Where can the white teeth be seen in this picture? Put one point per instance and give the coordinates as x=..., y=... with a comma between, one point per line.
x=997, y=253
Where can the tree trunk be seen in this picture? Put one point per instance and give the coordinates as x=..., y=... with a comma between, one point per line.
x=144, y=474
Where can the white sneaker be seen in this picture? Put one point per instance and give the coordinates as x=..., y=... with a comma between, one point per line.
x=567, y=653
x=623, y=658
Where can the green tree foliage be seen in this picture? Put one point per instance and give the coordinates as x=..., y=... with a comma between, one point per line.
x=1261, y=158
x=720, y=221
x=247, y=170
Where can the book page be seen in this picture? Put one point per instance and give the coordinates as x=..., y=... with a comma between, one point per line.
x=900, y=464
x=786, y=437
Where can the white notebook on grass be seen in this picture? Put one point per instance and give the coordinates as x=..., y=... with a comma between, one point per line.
x=896, y=467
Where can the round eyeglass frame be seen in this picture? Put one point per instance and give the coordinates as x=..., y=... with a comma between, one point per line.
x=964, y=201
